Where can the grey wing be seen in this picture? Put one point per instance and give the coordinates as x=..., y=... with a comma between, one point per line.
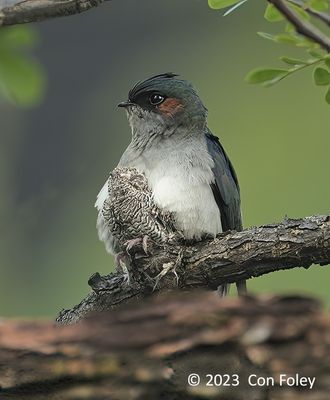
x=225, y=186
x=227, y=196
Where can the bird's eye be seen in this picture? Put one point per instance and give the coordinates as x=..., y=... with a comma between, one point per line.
x=156, y=99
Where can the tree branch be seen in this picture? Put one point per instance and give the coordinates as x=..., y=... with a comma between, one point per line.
x=303, y=27
x=20, y=12
x=229, y=258
x=147, y=351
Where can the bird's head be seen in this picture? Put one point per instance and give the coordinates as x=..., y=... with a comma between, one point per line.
x=161, y=104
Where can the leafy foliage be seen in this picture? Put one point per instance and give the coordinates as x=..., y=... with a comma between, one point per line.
x=327, y=96
x=316, y=56
x=319, y=5
x=218, y=4
x=267, y=76
x=22, y=80
x=272, y=14
x=321, y=77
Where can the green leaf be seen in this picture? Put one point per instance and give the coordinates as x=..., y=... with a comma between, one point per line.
x=321, y=76
x=327, y=62
x=267, y=36
x=307, y=43
x=17, y=37
x=272, y=14
x=319, y=5
x=218, y=4
x=289, y=28
x=316, y=53
x=288, y=38
x=21, y=80
x=300, y=11
x=292, y=61
x=327, y=96
x=234, y=7
x=266, y=76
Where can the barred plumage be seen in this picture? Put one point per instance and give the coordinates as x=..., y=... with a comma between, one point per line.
x=129, y=211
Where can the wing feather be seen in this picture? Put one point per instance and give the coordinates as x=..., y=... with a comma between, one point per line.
x=225, y=186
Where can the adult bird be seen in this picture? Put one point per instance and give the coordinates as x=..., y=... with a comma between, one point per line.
x=187, y=170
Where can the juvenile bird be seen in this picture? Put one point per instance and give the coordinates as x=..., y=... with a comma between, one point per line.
x=188, y=172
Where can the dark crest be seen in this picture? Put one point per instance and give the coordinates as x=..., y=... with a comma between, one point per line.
x=149, y=84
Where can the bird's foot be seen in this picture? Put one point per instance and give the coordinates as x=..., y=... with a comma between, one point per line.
x=122, y=263
x=131, y=250
x=167, y=267
x=138, y=242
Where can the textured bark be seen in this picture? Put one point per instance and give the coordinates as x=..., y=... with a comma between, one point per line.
x=229, y=258
x=14, y=12
x=148, y=349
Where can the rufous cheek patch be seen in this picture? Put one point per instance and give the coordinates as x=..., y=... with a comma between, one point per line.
x=170, y=107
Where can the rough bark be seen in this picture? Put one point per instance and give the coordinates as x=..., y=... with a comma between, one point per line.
x=14, y=12
x=229, y=258
x=147, y=350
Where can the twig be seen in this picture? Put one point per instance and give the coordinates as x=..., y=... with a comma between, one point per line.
x=303, y=27
x=229, y=258
x=38, y=10
x=324, y=17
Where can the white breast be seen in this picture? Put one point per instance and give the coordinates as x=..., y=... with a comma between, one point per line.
x=180, y=181
x=189, y=196
x=193, y=204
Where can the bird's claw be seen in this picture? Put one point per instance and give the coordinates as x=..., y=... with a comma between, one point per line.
x=143, y=242
x=124, y=259
x=167, y=267
x=121, y=265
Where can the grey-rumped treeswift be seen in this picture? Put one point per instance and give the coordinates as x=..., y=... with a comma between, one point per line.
x=189, y=176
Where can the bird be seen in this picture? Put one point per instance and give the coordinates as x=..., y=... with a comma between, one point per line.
x=188, y=173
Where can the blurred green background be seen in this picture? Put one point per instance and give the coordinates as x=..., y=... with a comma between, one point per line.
x=55, y=156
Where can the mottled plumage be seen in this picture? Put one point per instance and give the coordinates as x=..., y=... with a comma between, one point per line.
x=130, y=211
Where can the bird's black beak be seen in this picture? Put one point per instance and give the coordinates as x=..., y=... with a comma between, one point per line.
x=125, y=104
